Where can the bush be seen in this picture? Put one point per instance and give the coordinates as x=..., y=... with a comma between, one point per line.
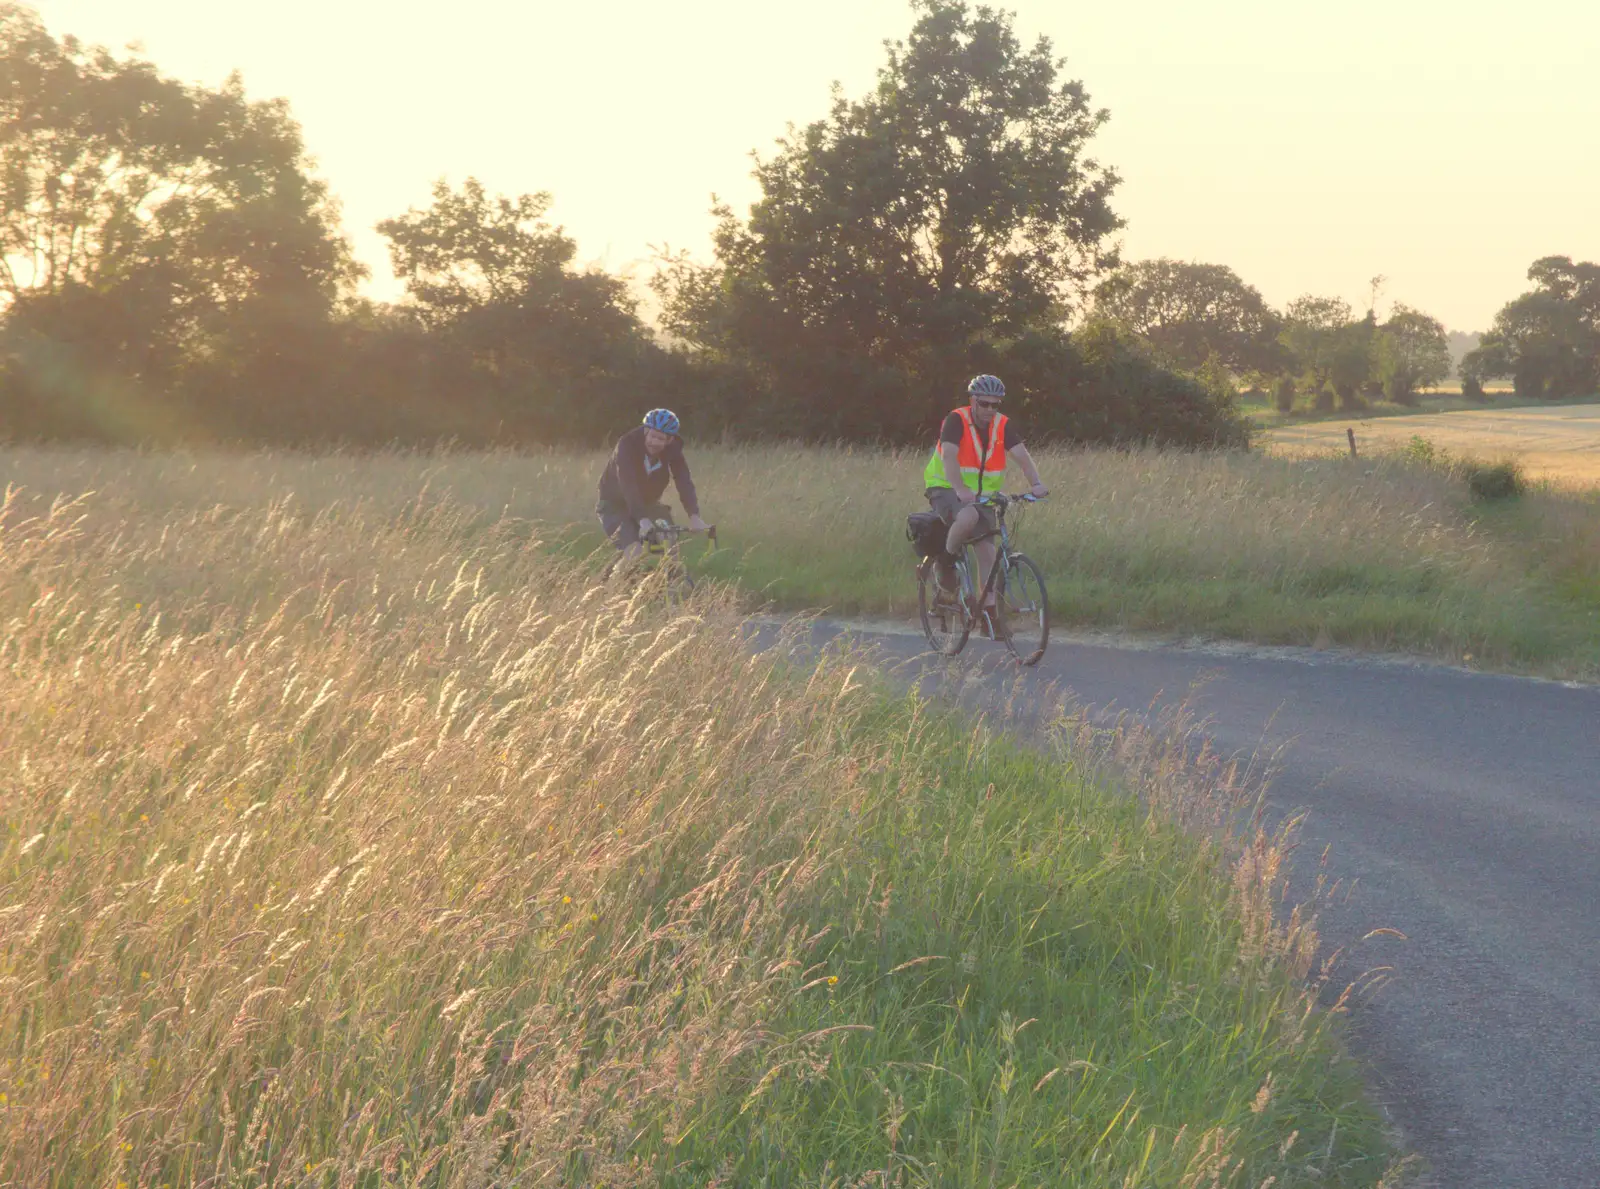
x=1472, y=389
x=1494, y=480
x=1419, y=451
x=1283, y=394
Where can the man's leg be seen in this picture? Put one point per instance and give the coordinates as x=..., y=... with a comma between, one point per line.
x=968, y=523
x=623, y=532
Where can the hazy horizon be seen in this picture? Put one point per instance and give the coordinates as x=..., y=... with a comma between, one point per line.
x=1433, y=144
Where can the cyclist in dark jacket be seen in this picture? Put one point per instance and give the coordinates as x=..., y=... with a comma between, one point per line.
x=635, y=479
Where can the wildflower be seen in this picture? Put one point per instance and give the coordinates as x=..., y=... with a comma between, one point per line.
x=566, y=899
x=833, y=980
x=144, y=974
x=144, y=817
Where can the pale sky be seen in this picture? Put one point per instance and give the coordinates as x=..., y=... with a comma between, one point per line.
x=1445, y=144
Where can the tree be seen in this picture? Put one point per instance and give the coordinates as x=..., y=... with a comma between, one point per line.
x=555, y=348
x=1548, y=339
x=149, y=230
x=1334, y=352
x=1190, y=313
x=1413, y=352
x=910, y=232
x=1310, y=333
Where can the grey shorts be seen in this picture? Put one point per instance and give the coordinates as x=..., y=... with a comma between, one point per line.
x=944, y=502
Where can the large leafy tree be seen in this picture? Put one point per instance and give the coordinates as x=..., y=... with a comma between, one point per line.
x=1548, y=339
x=898, y=240
x=146, y=225
x=1191, y=313
x=1312, y=333
x=1412, y=351
x=491, y=280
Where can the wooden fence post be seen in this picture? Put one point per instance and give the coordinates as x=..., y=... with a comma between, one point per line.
x=1351, y=434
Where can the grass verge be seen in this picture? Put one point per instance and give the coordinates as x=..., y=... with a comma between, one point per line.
x=351, y=849
x=1381, y=553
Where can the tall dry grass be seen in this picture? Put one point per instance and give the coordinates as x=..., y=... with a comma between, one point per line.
x=1378, y=555
x=364, y=843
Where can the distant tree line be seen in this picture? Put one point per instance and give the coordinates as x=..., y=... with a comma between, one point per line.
x=173, y=271
x=1203, y=320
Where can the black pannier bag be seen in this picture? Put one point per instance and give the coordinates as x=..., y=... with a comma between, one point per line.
x=926, y=532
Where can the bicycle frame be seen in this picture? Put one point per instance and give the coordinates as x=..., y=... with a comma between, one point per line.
x=1003, y=551
x=968, y=606
x=660, y=547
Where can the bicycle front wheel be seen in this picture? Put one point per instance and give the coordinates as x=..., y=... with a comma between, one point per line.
x=678, y=584
x=1026, y=608
x=943, y=621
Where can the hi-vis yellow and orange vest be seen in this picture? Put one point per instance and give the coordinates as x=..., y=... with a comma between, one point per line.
x=980, y=474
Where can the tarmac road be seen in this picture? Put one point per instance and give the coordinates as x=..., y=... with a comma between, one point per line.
x=1465, y=810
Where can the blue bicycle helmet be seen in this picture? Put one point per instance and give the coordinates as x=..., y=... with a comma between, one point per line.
x=986, y=385
x=664, y=420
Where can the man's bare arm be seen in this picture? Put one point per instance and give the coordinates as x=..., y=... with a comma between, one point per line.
x=1025, y=461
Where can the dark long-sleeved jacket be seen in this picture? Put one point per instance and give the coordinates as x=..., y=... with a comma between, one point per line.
x=632, y=480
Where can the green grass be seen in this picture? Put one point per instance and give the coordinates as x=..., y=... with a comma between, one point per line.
x=1036, y=984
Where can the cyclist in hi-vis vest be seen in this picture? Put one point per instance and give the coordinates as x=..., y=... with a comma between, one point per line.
x=969, y=460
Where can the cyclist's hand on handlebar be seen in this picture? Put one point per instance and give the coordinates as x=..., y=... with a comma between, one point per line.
x=1039, y=491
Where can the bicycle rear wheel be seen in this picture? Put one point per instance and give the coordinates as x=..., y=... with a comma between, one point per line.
x=943, y=620
x=1025, y=608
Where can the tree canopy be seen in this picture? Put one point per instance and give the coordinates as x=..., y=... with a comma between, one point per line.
x=902, y=241
x=146, y=223
x=1412, y=351
x=1191, y=313
x=1548, y=339
x=494, y=281
x=171, y=268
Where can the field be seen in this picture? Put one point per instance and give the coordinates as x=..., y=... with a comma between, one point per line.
x=1380, y=555
x=351, y=836
x=1560, y=443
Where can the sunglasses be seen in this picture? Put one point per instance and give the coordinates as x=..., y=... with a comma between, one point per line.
x=987, y=404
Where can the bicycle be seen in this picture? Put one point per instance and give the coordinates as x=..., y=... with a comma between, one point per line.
x=663, y=555
x=1023, y=619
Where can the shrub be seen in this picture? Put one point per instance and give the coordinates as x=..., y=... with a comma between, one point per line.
x=1419, y=451
x=1283, y=394
x=1472, y=389
x=1494, y=480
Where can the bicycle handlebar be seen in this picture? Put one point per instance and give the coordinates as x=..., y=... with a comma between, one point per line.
x=662, y=529
x=1001, y=499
